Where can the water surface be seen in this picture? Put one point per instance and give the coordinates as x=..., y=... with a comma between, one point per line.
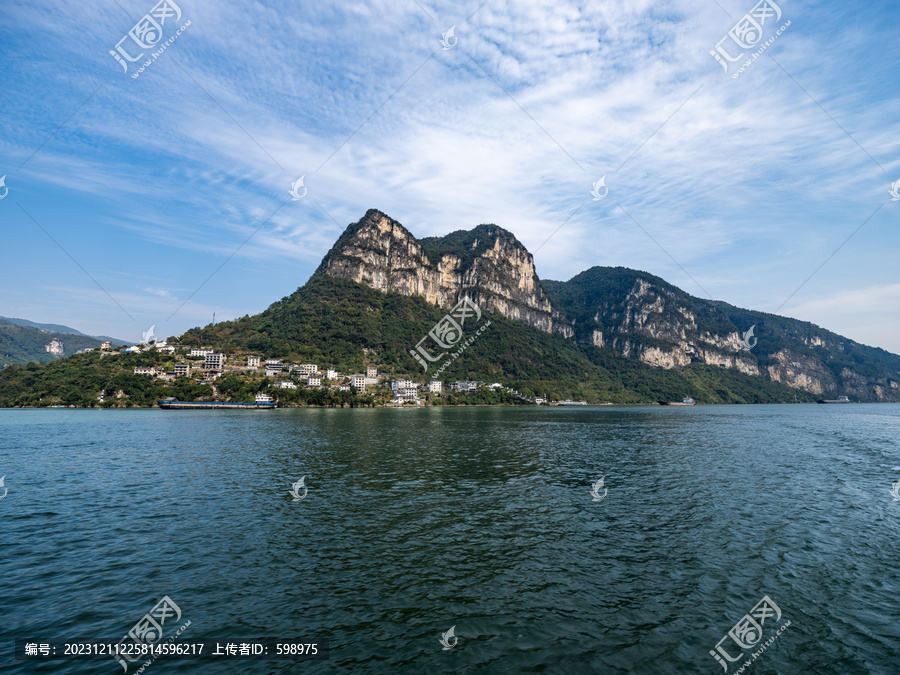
x=478, y=518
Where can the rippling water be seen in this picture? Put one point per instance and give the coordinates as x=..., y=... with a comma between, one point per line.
x=478, y=518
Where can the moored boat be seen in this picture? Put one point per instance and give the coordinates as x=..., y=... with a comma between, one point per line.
x=262, y=402
x=839, y=399
x=687, y=400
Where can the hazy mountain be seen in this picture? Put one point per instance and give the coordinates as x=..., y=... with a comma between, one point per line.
x=59, y=328
x=21, y=344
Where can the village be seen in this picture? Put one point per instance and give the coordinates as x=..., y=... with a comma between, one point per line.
x=206, y=366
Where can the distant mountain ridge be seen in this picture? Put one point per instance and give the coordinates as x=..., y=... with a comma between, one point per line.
x=23, y=344
x=59, y=328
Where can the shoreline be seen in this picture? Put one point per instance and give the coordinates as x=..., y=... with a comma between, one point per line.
x=446, y=405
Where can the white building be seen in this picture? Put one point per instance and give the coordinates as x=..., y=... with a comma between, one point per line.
x=182, y=369
x=371, y=372
x=253, y=361
x=344, y=387
x=464, y=385
x=434, y=387
x=371, y=381
x=401, y=384
x=273, y=367
x=106, y=345
x=539, y=400
x=200, y=352
x=308, y=368
x=407, y=394
x=144, y=370
x=331, y=374
x=214, y=361
x=314, y=381
x=358, y=381
x=287, y=384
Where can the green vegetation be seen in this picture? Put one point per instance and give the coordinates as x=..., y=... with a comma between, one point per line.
x=82, y=379
x=597, y=299
x=609, y=287
x=467, y=245
x=347, y=326
x=778, y=333
x=21, y=344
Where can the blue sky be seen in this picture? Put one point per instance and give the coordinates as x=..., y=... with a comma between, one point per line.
x=164, y=198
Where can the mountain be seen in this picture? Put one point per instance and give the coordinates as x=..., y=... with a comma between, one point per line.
x=605, y=330
x=347, y=325
x=608, y=334
x=59, y=328
x=343, y=324
x=631, y=313
x=488, y=264
x=21, y=344
x=641, y=316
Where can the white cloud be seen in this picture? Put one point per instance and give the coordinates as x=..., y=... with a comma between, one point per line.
x=744, y=165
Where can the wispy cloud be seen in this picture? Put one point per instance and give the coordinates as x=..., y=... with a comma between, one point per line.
x=747, y=179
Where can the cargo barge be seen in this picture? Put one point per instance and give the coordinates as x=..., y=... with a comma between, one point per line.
x=839, y=399
x=685, y=401
x=263, y=402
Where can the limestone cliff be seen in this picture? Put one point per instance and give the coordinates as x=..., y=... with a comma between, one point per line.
x=487, y=263
x=632, y=313
x=641, y=316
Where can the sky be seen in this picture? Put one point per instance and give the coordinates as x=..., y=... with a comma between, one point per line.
x=162, y=196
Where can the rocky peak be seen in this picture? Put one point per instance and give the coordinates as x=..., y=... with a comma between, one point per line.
x=486, y=263
x=632, y=313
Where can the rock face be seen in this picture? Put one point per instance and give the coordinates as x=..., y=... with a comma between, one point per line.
x=55, y=347
x=643, y=317
x=488, y=264
x=629, y=312
x=654, y=311
x=802, y=372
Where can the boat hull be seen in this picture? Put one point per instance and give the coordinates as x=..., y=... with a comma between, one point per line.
x=673, y=403
x=212, y=405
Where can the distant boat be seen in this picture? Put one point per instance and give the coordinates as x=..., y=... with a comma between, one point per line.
x=839, y=399
x=687, y=400
x=263, y=402
x=570, y=402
